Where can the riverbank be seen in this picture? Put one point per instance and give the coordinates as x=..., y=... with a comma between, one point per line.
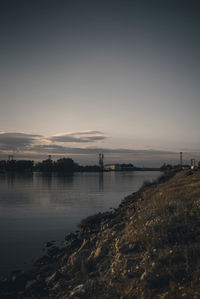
x=149, y=247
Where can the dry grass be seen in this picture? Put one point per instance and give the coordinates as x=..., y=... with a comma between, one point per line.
x=166, y=227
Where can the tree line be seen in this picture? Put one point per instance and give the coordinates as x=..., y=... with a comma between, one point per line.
x=48, y=165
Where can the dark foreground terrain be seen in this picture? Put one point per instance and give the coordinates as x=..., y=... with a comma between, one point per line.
x=147, y=248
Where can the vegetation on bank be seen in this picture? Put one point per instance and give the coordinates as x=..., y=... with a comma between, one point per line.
x=149, y=247
x=14, y=165
x=66, y=165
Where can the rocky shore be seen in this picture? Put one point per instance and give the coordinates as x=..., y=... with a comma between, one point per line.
x=149, y=247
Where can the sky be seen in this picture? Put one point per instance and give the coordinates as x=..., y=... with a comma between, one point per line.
x=80, y=77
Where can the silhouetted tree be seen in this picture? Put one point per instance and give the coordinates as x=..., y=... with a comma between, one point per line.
x=14, y=165
x=24, y=165
x=45, y=166
x=2, y=166
x=65, y=165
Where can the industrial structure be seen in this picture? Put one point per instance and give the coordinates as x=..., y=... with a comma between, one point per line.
x=181, y=158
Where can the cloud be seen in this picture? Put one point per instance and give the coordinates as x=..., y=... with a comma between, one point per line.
x=89, y=132
x=16, y=141
x=60, y=149
x=78, y=137
x=49, y=149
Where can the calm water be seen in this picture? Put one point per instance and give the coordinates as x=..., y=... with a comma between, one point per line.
x=36, y=208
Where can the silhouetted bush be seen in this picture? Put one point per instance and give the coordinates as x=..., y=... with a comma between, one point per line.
x=14, y=165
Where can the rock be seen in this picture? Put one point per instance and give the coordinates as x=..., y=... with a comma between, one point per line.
x=74, y=244
x=49, y=244
x=17, y=276
x=44, y=260
x=76, y=258
x=115, y=267
x=85, y=245
x=18, y=279
x=82, y=290
x=129, y=248
x=100, y=252
x=188, y=173
x=71, y=236
x=118, y=226
x=53, y=277
x=53, y=250
x=30, y=284
x=104, y=266
x=143, y=275
x=130, y=269
x=153, y=281
x=60, y=284
x=78, y=290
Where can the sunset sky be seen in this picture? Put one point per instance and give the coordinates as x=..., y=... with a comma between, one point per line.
x=79, y=77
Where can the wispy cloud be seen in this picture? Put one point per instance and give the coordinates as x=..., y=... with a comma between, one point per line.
x=78, y=137
x=17, y=141
x=60, y=149
x=89, y=132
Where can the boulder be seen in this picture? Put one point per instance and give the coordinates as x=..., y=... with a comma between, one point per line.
x=31, y=284
x=83, y=290
x=53, y=278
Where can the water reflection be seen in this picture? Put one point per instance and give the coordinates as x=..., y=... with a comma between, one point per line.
x=14, y=188
x=46, y=178
x=50, y=179
x=101, y=178
x=64, y=179
x=16, y=178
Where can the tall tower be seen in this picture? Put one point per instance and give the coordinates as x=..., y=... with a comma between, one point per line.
x=181, y=158
x=101, y=157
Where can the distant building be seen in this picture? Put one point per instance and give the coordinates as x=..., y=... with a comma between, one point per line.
x=181, y=158
x=118, y=167
x=111, y=167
